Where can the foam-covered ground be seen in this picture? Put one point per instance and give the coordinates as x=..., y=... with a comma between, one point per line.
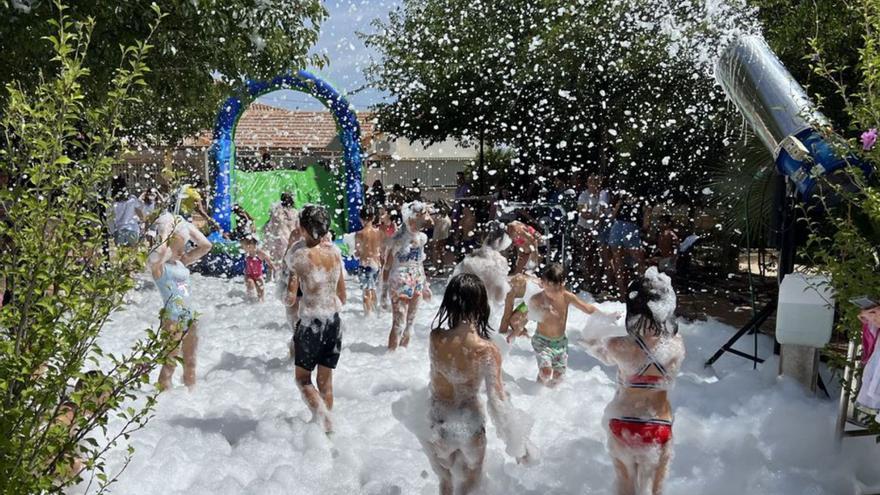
x=245, y=430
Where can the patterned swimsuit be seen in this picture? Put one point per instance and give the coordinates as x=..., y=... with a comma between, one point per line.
x=408, y=276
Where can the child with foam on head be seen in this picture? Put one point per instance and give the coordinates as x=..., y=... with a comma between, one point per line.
x=404, y=272
x=463, y=359
x=168, y=265
x=639, y=418
x=317, y=285
x=254, y=257
x=368, y=249
x=551, y=305
x=489, y=264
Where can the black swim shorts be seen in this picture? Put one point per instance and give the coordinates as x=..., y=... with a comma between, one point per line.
x=317, y=342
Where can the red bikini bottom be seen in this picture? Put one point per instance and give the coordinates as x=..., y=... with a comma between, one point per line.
x=635, y=432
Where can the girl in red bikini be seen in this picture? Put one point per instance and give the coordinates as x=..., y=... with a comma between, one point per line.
x=525, y=240
x=648, y=359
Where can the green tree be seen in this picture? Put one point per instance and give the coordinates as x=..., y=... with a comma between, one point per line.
x=203, y=49
x=592, y=85
x=844, y=240
x=55, y=159
x=835, y=26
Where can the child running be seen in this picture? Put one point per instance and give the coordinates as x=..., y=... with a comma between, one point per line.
x=463, y=358
x=368, y=249
x=404, y=273
x=639, y=418
x=168, y=265
x=551, y=305
x=254, y=258
x=316, y=271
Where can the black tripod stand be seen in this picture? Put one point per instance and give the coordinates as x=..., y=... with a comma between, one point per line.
x=785, y=215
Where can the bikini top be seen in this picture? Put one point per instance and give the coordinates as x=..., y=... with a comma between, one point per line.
x=640, y=379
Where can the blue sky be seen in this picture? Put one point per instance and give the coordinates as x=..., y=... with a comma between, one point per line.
x=347, y=54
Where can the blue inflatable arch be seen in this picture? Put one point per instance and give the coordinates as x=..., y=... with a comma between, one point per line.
x=222, y=151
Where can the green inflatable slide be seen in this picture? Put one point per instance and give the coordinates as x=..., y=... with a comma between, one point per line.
x=256, y=192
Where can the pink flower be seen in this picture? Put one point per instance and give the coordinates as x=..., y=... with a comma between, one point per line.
x=869, y=139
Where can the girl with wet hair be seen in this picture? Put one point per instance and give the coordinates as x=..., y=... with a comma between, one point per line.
x=639, y=418
x=465, y=299
x=463, y=358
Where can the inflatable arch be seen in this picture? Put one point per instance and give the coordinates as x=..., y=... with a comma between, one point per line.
x=222, y=151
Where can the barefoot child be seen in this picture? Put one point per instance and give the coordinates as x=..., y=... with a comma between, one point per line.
x=254, y=258
x=639, y=417
x=551, y=305
x=404, y=273
x=463, y=358
x=368, y=249
x=316, y=271
x=168, y=265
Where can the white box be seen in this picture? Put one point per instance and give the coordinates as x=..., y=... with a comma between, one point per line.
x=805, y=315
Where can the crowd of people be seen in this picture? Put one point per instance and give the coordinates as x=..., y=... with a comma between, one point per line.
x=503, y=271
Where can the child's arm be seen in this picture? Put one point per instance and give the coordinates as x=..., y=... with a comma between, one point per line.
x=580, y=304
x=601, y=348
x=203, y=246
x=340, y=284
x=510, y=424
x=292, y=288
x=157, y=260
x=386, y=267
x=585, y=306
x=265, y=257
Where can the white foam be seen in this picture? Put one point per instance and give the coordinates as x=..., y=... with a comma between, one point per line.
x=245, y=429
x=491, y=268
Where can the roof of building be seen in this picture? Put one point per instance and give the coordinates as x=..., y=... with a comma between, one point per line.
x=267, y=127
x=264, y=127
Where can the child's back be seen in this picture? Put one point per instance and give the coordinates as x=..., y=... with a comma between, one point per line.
x=318, y=269
x=553, y=313
x=369, y=245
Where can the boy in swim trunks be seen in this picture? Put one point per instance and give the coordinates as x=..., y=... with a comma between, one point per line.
x=254, y=258
x=549, y=342
x=316, y=272
x=368, y=249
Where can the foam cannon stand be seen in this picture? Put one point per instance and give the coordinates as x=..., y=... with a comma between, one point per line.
x=787, y=123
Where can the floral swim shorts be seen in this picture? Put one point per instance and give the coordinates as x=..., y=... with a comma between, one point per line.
x=550, y=353
x=408, y=282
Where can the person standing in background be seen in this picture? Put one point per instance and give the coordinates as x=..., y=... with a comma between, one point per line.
x=591, y=233
x=283, y=221
x=625, y=238
x=127, y=215
x=375, y=196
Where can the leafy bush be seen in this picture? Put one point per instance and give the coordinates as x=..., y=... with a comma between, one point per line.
x=849, y=251
x=56, y=160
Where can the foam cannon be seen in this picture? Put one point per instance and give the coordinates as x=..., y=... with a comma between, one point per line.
x=789, y=125
x=779, y=111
